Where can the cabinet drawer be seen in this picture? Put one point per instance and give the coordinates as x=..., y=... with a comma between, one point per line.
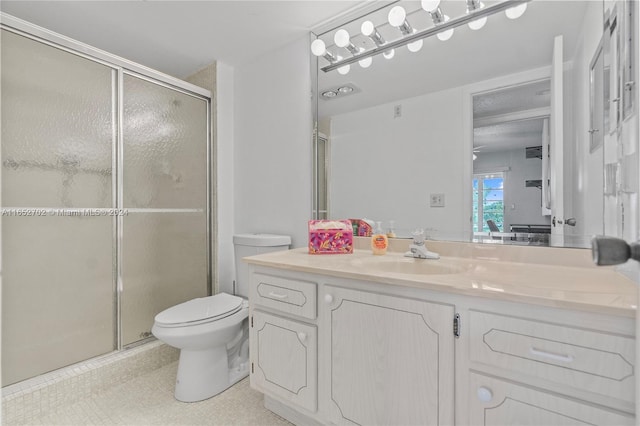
x=496, y=402
x=295, y=297
x=587, y=360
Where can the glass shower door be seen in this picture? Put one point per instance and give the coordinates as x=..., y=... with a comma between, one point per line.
x=58, y=138
x=164, y=200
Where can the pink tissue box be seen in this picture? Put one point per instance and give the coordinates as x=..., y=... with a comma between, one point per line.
x=330, y=237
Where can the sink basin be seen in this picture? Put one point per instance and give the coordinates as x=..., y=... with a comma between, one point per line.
x=407, y=265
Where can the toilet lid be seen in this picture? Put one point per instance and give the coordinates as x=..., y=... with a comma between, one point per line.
x=204, y=308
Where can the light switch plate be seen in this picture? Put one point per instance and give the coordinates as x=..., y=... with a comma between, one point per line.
x=436, y=200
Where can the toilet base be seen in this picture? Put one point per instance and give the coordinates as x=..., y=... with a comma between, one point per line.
x=205, y=373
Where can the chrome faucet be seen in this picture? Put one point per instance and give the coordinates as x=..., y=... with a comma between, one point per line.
x=418, y=249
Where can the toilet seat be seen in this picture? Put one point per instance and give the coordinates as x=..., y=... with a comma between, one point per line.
x=199, y=311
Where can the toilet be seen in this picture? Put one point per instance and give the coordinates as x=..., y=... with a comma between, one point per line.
x=212, y=332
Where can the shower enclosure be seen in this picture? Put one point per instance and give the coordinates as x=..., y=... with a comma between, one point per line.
x=105, y=200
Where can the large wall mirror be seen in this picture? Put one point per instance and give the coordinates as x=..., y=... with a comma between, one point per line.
x=481, y=135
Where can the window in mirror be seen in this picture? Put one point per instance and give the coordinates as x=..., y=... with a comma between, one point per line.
x=488, y=202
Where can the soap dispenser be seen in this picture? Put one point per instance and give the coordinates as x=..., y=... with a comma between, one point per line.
x=379, y=240
x=391, y=233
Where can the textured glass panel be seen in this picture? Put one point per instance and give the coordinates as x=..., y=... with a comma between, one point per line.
x=164, y=263
x=57, y=127
x=57, y=293
x=165, y=147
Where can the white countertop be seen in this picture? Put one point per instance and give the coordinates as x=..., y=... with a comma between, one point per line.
x=593, y=289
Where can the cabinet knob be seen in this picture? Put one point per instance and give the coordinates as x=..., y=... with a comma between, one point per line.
x=328, y=298
x=485, y=394
x=302, y=336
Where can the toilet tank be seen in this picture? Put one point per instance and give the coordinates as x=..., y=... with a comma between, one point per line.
x=250, y=245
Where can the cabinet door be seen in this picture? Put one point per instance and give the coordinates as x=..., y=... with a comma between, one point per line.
x=284, y=359
x=494, y=402
x=389, y=360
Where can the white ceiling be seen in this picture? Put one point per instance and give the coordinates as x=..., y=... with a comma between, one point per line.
x=181, y=37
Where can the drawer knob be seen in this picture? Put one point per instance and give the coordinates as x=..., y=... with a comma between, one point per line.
x=485, y=394
x=302, y=336
x=328, y=299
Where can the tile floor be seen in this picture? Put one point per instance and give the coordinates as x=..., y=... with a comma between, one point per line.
x=148, y=400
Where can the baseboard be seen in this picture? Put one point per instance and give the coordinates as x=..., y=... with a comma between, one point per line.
x=288, y=413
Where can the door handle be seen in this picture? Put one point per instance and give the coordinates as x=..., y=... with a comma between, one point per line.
x=571, y=221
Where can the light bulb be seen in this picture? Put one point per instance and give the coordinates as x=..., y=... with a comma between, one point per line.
x=343, y=70
x=367, y=28
x=415, y=46
x=341, y=38
x=516, y=12
x=445, y=35
x=397, y=16
x=318, y=47
x=389, y=53
x=366, y=62
x=430, y=5
x=478, y=23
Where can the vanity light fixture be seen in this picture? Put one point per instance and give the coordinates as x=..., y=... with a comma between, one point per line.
x=415, y=46
x=472, y=6
x=329, y=94
x=342, y=39
x=516, y=12
x=438, y=18
x=366, y=62
x=318, y=48
x=398, y=18
x=443, y=28
x=369, y=30
x=343, y=70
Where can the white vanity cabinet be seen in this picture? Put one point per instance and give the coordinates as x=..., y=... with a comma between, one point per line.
x=579, y=371
x=388, y=360
x=283, y=348
x=498, y=402
x=338, y=349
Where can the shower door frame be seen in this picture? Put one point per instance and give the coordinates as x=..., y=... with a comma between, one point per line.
x=121, y=67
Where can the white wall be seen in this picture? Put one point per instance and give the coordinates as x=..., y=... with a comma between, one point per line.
x=272, y=132
x=423, y=148
x=224, y=214
x=588, y=176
